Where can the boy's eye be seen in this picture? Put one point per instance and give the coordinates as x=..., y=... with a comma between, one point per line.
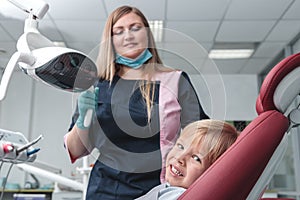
x=196, y=158
x=180, y=146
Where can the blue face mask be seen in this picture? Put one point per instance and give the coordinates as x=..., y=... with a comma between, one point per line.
x=134, y=63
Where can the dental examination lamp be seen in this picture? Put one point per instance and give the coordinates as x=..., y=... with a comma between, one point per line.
x=60, y=67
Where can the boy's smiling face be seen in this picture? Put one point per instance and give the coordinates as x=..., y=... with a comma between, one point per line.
x=185, y=162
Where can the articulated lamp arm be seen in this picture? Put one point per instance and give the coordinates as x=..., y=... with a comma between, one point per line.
x=13, y=62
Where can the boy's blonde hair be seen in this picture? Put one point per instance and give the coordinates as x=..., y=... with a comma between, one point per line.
x=214, y=136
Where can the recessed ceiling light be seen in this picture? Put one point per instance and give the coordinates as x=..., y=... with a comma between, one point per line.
x=156, y=27
x=230, y=53
x=232, y=50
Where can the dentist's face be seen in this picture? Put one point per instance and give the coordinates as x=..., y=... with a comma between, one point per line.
x=130, y=36
x=185, y=162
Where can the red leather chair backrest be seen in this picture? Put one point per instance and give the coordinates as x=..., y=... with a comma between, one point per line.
x=265, y=99
x=235, y=173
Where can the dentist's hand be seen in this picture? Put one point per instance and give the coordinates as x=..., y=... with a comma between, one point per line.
x=87, y=100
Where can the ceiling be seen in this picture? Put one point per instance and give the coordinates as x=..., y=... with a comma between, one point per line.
x=191, y=28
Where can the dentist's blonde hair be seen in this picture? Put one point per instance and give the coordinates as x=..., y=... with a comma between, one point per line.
x=107, y=68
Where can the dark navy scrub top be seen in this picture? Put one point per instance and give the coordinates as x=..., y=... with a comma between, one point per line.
x=130, y=160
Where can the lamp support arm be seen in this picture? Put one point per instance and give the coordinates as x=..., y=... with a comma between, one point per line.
x=14, y=60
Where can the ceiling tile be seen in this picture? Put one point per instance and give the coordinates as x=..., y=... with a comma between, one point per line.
x=268, y=49
x=9, y=47
x=285, y=30
x=180, y=34
x=3, y=63
x=88, y=31
x=14, y=27
x=293, y=12
x=46, y=28
x=5, y=36
x=244, y=31
x=296, y=47
x=255, y=65
x=153, y=10
x=89, y=48
x=184, y=50
x=191, y=66
x=49, y=30
x=8, y=10
x=198, y=30
x=209, y=66
x=230, y=66
x=207, y=46
x=76, y=9
x=245, y=9
x=196, y=9
x=80, y=24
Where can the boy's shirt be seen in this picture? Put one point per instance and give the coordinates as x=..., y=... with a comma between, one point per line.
x=163, y=192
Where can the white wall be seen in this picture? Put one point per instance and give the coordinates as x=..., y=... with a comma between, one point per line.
x=224, y=96
x=33, y=108
x=227, y=97
x=296, y=47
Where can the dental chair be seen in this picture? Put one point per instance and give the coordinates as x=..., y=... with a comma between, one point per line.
x=245, y=169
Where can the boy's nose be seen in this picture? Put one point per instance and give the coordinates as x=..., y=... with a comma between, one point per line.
x=181, y=158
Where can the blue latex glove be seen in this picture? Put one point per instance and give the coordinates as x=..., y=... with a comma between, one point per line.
x=86, y=100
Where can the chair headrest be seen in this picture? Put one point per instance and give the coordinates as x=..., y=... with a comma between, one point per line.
x=280, y=86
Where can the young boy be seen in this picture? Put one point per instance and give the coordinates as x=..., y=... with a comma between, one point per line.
x=200, y=144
